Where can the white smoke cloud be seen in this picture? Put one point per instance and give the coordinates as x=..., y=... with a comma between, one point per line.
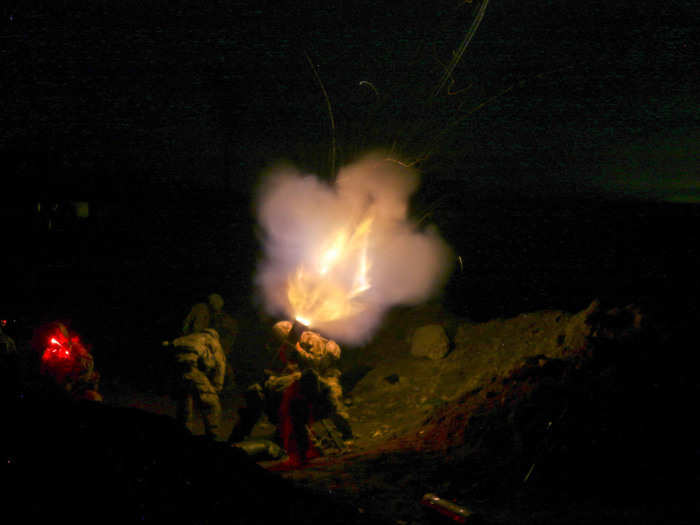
x=298, y=212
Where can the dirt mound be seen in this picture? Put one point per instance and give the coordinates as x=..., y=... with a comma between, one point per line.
x=528, y=418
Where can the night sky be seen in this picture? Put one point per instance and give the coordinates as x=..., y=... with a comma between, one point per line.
x=551, y=155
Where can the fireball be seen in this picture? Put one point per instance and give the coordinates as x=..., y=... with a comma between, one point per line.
x=339, y=254
x=332, y=285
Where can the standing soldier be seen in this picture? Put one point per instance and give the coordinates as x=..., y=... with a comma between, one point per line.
x=212, y=315
x=200, y=368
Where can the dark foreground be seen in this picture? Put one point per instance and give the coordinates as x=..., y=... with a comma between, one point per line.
x=92, y=463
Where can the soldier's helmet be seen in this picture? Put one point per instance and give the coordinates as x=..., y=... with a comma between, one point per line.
x=332, y=348
x=216, y=301
x=281, y=330
x=319, y=344
x=309, y=339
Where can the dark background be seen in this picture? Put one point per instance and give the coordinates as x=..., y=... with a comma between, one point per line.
x=559, y=159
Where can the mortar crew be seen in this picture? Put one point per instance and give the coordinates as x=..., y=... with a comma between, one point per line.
x=317, y=359
x=67, y=362
x=200, y=368
x=212, y=315
x=316, y=395
x=304, y=388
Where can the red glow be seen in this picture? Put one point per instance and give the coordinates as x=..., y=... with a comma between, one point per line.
x=67, y=362
x=294, y=405
x=59, y=347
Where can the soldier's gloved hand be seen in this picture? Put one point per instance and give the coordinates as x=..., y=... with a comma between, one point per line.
x=302, y=348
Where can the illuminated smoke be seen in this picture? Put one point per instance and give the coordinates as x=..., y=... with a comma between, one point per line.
x=339, y=256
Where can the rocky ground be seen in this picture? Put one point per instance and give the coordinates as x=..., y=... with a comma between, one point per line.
x=546, y=417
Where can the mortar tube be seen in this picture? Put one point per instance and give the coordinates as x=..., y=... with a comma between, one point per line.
x=295, y=332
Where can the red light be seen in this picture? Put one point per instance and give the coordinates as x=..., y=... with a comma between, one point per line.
x=58, y=348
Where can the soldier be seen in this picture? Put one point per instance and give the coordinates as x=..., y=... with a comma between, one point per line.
x=66, y=362
x=9, y=368
x=212, y=315
x=305, y=389
x=7, y=345
x=197, y=319
x=200, y=368
x=317, y=359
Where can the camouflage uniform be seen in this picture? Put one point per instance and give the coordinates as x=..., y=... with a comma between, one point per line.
x=320, y=382
x=212, y=315
x=201, y=366
x=306, y=388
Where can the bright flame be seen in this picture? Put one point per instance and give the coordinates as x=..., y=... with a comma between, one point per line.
x=331, y=289
x=330, y=256
x=304, y=321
